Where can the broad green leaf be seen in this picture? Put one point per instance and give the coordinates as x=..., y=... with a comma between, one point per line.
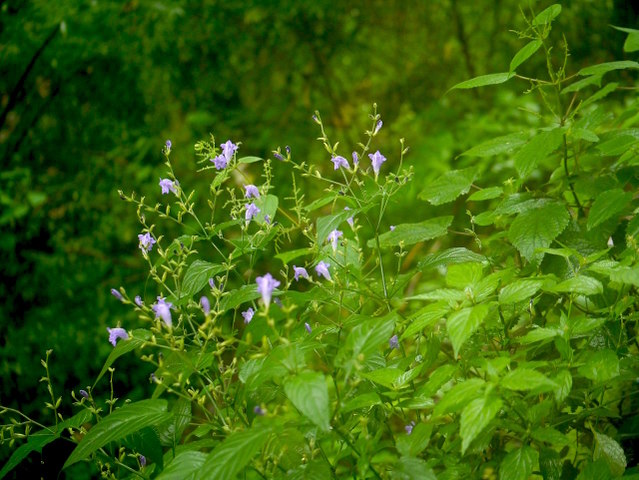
x=411, y=233
x=459, y=396
x=250, y=159
x=518, y=464
x=137, y=339
x=387, y=377
x=448, y=294
x=197, y=276
x=608, y=449
x=449, y=186
x=411, y=468
x=425, y=317
x=438, y=378
x=463, y=323
x=235, y=298
x=495, y=146
x=171, y=431
x=365, y=400
x=627, y=275
x=632, y=40
x=413, y=444
x=617, y=145
x=606, y=205
x=597, y=470
x=550, y=435
x=581, y=285
x=524, y=54
x=366, y=337
x=603, y=68
x=146, y=442
x=289, y=255
x=536, y=150
x=309, y=393
x=520, y=290
x=449, y=257
x=486, y=194
x=476, y=416
x=537, y=228
x=550, y=464
x=316, y=469
x=462, y=275
x=583, y=83
x=524, y=379
x=484, y=80
x=581, y=325
x=600, y=366
x=184, y=466
x=584, y=134
x=233, y=454
x=327, y=224
x=546, y=16
x=268, y=206
x=539, y=334
x=120, y=423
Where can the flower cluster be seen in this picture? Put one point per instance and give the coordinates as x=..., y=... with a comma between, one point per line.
x=228, y=150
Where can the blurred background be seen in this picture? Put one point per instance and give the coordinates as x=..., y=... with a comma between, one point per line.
x=91, y=89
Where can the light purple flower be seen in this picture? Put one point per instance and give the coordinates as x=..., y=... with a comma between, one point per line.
x=315, y=119
x=307, y=327
x=378, y=127
x=279, y=156
x=162, y=309
x=211, y=283
x=322, y=270
x=84, y=393
x=168, y=145
x=251, y=211
x=339, y=161
x=259, y=410
x=115, y=333
x=138, y=301
x=265, y=286
x=350, y=220
x=228, y=150
x=376, y=159
x=146, y=242
x=355, y=159
x=409, y=428
x=142, y=461
x=116, y=294
x=393, y=342
x=206, y=306
x=167, y=185
x=220, y=162
x=300, y=272
x=248, y=315
x=251, y=191
x=392, y=228
x=334, y=237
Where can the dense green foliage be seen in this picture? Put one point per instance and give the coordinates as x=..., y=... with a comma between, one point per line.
x=490, y=332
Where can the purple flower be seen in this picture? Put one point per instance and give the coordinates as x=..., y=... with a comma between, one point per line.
x=168, y=145
x=115, y=333
x=259, y=410
x=322, y=270
x=220, y=162
x=288, y=150
x=267, y=219
x=376, y=159
x=350, y=220
x=409, y=428
x=315, y=119
x=251, y=191
x=307, y=327
x=142, y=461
x=265, y=286
x=334, y=237
x=167, y=185
x=251, y=211
x=393, y=342
x=146, y=242
x=355, y=159
x=339, y=161
x=153, y=378
x=84, y=393
x=138, y=301
x=228, y=150
x=211, y=283
x=279, y=156
x=206, y=306
x=300, y=272
x=116, y=294
x=378, y=127
x=162, y=309
x=392, y=228
x=248, y=315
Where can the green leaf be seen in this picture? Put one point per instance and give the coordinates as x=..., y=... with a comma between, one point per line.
x=410, y=468
x=449, y=186
x=581, y=285
x=425, y=317
x=564, y=380
x=536, y=150
x=617, y=145
x=595, y=97
x=244, y=294
x=120, y=423
x=608, y=449
x=449, y=257
x=387, y=377
x=626, y=275
x=583, y=83
x=268, y=206
x=411, y=233
x=309, y=393
x=603, y=68
x=520, y=290
x=327, y=224
x=537, y=228
x=137, y=339
x=484, y=80
x=184, y=466
x=606, y=205
x=550, y=435
x=171, y=432
x=524, y=379
x=546, y=16
x=476, y=416
x=550, y=464
x=366, y=337
x=233, y=454
x=632, y=41
x=486, y=194
x=462, y=275
x=146, y=442
x=518, y=464
x=438, y=378
x=289, y=255
x=505, y=144
x=197, y=277
x=539, y=334
x=524, y=54
x=584, y=134
x=413, y=444
x=601, y=366
x=250, y=159
x=463, y=323
x=365, y=400
x=459, y=396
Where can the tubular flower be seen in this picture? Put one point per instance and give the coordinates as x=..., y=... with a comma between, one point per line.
x=248, y=315
x=167, y=186
x=322, y=270
x=339, y=161
x=115, y=333
x=300, y=272
x=376, y=159
x=162, y=310
x=251, y=211
x=251, y=191
x=334, y=237
x=265, y=286
x=146, y=242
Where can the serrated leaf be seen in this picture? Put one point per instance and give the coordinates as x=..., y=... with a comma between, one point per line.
x=449, y=186
x=495, y=146
x=184, y=466
x=608, y=449
x=137, y=339
x=486, y=194
x=309, y=393
x=463, y=323
x=525, y=379
x=425, y=317
x=564, y=380
x=438, y=378
x=484, y=80
x=603, y=68
x=627, y=275
x=462, y=275
x=518, y=464
x=120, y=423
x=197, y=277
x=550, y=435
x=617, y=145
x=459, y=396
x=550, y=464
x=600, y=366
x=235, y=298
x=519, y=290
x=386, y=377
x=606, y=205
x=146, y=442
x=476, y=416
x=524, y=54
x=537, y=149
x=546, y=16
x=581, y=285
x=411, y=233
x=537, y=228
x=449, y=257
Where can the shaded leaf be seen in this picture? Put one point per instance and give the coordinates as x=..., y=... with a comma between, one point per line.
x=518, y=464
x=476, y=416
x=411, y=233
x=537, y=228
x=524, y=379
x=449, y=257
x=463, y=323
x=600, y=366
x=548, y=15
x=137, y=339
x=184, y=466
x=309, y=393
x=449, y=186
x=606, y=205
x=197, y=277
x=608, y=449
x=537, y=149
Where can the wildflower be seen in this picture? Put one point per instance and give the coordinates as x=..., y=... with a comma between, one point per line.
x=251, y=211
x=153, y=378
x=288, y=150
x=279, y=156
x=300, y=272
x=84, y=393
x=116, y=294
x=393, y=343
x=376, y=159
x=220, y=162
x=265, y=286
x=350, y=220
x=259, y=410
x=392, y=228
x=322, y=270
x=168, y=145
x=142, y=461
x=146, y=242
x=138, y=301
x=409, y=428
x=228, y=150
x=248, y=315
x=315, y=119
x=355, y=159
x=334, y=237
x=162, y=309
x=167, y=185
x=211, y=283
x=339, y=161
x=307, y=327
x=378, y=127
x=206, y=306
x=115, y=333
x=251, y=191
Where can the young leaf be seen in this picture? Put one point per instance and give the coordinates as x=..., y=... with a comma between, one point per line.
x=606, y=205
x=309, y=393
x=524, y=54
x=120, y=423
x=537, y=228
x=603, y=68
x=546, y=16
x=463, y=323
x=537, y=149
x=483, y=80
x=476, y=416
x=520, y=290
x=518, y=464
x=411, y=233
x=449, y=186
x=608, y=449
x=486, y=194
x=449, y=257
x=250, y=160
